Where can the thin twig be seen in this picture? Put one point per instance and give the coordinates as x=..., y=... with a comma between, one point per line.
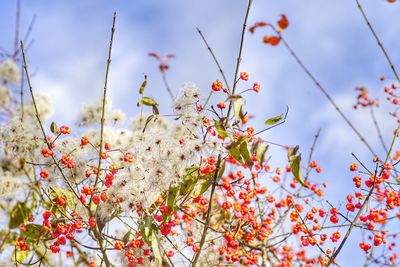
x=308, y=169
x=239, y=58
x=17, y=20
x=96, y=231
x=378, y=129
x=28, y=32
x=378, y=41
x=164, y=77
x=362, y=164
x=21, y=93
x=216, y=62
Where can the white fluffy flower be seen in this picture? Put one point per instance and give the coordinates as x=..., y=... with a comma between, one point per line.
x=91, y=114
x=160, y=159
x=185, y=107
x=9, y=185
x=9, y=71
x=43, y=104
x=19, y=139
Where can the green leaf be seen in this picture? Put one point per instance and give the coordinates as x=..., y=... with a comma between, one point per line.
x=204, y=185
x=220, y=129
x=207, y=180
x=274, y=120
x=172, y=196
x=156, y=250
x=295, y=165
x=292, y=151
x=190, y=178
x=238, y=109
x=19, y=255
x=143, y=86
x=33, y=232
x=146, y=229
x=221, y=170
x=234, y=97
x=148, y=101
x=54, y=128
x=234, y=149
x=235, y=152
x=244, y=151
x=127, y=237
x=259, y=148
x=18, y=215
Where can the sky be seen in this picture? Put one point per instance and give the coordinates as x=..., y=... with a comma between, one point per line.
x=70, y=47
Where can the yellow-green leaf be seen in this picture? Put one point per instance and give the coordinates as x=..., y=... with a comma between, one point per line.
x=33, y=232
x=274, y=120
x=238, y=109
x=259, y=148
x=220, y=129
x=235, y=153
x=143, y=86
x=156, y=250
x=204, y=185
x=172, y=196
x=295, y=164
x=18, y=215
x=127, y=237
x=244, y=151
x=148, y=101
x=190, y=178
x=19, y=256
x=54, y=128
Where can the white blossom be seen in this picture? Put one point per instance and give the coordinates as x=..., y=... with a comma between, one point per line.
x=185, y=107
x=91, y=114
x=9, y=71
x=44, y=105
x=9, y=185
x=19, y=139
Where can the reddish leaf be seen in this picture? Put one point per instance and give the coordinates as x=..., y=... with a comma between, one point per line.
x=155, y=55
x=272, y=40
x=257, y=25
x=283, y=23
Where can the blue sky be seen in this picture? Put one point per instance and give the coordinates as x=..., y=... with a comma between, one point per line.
x=71, y=42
